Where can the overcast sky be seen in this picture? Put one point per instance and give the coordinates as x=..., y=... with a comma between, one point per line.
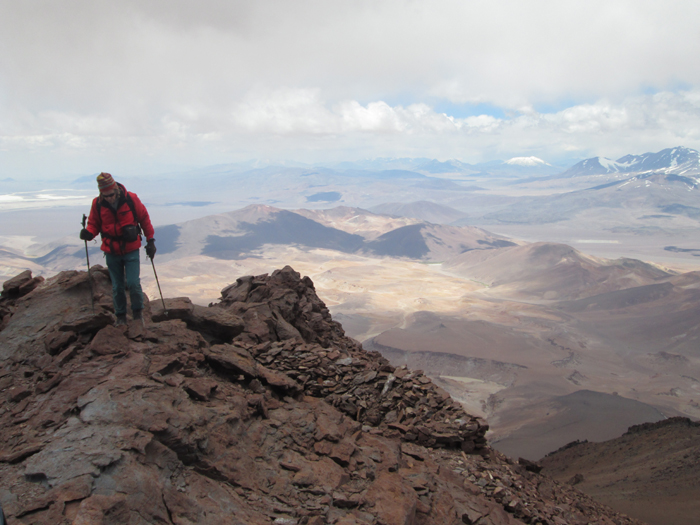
x=151, y=85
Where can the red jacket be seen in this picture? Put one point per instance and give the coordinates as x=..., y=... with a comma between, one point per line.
x=109, y=223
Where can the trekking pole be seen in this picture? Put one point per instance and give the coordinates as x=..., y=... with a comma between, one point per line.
x=159, y=290
x=87, y=256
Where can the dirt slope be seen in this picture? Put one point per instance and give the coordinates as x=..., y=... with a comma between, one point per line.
x=651, y=472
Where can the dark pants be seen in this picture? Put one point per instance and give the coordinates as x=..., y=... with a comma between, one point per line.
x=124, y=271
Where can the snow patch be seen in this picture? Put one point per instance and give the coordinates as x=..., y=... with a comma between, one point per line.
x=527, y=161
x=609, y=164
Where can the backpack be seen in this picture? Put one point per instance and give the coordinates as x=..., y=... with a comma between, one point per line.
x=131, y=232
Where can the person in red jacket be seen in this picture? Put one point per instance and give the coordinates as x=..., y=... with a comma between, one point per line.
x=120, y=218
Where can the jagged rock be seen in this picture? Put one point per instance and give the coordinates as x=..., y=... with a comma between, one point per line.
x=61, y=301
x=256, y=410
x=238, y=361
x=109, y=340
x=530, y=465
x=200, y=389
x=175, y=308
x=18, y=393
x=274, y=305
x=20, y=285
x=56, y=341
x=576, y=479
x=217, y=324
x=86, y=322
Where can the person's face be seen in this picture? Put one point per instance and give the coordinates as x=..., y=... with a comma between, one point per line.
x=111, y=196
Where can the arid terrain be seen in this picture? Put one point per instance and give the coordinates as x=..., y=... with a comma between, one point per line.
x=560, y=309
x=512, y=332
x=255, y=410
x=650, y=472
x=514, y=290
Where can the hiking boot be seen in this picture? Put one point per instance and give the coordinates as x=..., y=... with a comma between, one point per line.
x=121, y=320
x=138, y=316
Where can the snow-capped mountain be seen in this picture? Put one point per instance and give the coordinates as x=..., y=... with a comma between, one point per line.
x=678, y=161
x=527, y=161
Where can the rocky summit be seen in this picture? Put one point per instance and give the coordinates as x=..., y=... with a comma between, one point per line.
x=254, y=410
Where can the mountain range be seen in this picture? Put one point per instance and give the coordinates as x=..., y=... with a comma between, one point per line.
x=649, y=194
x=239, y=234
x=678, y=161
x=646, y=197
x=511, y=168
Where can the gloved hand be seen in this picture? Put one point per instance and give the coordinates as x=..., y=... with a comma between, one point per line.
x=86, y=235
x=151, y=248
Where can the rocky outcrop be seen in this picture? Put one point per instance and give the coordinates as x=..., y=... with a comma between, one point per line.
x=254, y=410
x=20, y=285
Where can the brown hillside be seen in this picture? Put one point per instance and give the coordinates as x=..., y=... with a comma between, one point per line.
x=552, y=271
x=583, y=414
x=651, y=472
x=254, y=410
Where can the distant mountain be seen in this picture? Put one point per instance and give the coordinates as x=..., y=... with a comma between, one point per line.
x=450, y=166
x=527, y=161
x=424, y=165
x=643, y=311
x=514, y=167
x=85, y=180
x=244, y=232
x=679, y=161
x=635, y=194
x=283, y=228
x=645, y=473
x=553, y=271
x=517, y=168
x=382, y=163
x=424, y=210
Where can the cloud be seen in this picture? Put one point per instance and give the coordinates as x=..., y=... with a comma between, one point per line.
x=294, y=115
x=224, y=80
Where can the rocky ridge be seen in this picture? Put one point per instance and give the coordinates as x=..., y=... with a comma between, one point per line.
x=256, y=409
x=650, y=472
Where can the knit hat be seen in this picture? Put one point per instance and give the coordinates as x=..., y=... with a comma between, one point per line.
x=106, y=183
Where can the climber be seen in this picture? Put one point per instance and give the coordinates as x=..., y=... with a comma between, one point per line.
x=120, y=218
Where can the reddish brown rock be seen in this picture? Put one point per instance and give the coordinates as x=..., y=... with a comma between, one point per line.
x=175, y=308
x=106, y=510
x=18, y=393
x=288, y=422
x=393, y=500
x=56, y=341
x=20, y=285
x=200, y=389
x=109, y=340
x=216, y=323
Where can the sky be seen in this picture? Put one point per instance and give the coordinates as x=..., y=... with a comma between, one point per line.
x=150, y=86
